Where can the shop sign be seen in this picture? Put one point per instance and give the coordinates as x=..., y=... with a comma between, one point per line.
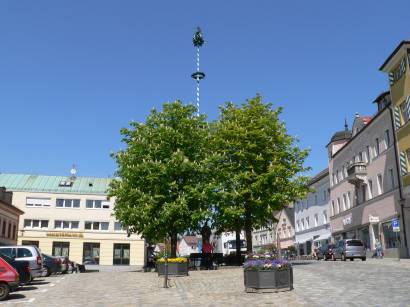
x=347, y=220
x=374, y=219
x=395, y=225
x=64, y=234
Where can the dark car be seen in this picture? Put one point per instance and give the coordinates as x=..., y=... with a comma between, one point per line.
x=329, y=252
x=51, y=264
x=22, y=267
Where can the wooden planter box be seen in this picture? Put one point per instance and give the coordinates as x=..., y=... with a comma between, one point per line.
x=174, y=269
x=275, y=279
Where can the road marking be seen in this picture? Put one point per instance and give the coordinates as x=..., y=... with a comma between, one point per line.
x=51, y=285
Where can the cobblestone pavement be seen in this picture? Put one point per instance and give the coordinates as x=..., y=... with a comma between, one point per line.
x=316, y=283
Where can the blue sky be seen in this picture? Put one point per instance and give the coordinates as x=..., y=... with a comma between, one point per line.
x=72, y=73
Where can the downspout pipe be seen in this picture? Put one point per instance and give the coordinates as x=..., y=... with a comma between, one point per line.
x=396, y=156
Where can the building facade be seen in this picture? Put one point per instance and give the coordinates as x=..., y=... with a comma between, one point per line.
x=71, y=216
x=285, y=229
x=9, y=218
x=263, y=238
x=364, y=183
x=187, y=245
x=312, y=216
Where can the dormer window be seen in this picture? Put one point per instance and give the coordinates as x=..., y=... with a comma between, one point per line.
x=65, y=183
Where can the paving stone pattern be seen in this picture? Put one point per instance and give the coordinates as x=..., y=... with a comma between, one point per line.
x=316, y=283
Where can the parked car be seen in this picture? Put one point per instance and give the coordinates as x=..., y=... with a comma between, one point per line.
x=9, y=279
x=350, y=249
x=28, y=253
x=22, y=267
x=64, y=264
x=52, y=265
x=329, y=252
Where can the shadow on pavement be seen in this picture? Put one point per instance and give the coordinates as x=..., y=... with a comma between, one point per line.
x=14, y=296
x=303, y=262
x=27, y=288
x=40, y=282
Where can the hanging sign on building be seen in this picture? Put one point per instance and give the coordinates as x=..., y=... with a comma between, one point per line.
x=395, y=225
x=374, y=219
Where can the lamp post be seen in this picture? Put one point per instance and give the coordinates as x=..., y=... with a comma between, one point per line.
x=166, y=271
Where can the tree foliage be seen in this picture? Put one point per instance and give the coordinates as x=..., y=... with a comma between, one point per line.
x=161, y=190
x=257, y=166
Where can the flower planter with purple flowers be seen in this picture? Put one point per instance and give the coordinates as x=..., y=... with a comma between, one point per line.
x=268, y=274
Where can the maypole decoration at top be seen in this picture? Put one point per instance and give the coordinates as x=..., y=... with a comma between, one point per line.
x=198, y=41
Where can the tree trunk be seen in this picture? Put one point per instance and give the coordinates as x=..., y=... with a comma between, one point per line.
x=248, y=233
x=174, y=238
x=238, y=246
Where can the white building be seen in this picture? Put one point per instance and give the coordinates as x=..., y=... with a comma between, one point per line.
x=188, y=245
x=312, y=216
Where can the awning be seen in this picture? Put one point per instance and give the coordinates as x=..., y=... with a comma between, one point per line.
x=322, y=237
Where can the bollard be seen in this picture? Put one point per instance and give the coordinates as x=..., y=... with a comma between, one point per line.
x=166, y=272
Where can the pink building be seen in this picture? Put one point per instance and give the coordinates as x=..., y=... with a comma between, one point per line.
x=364, y=183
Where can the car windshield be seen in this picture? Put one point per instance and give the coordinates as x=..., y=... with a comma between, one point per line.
x=354, y=243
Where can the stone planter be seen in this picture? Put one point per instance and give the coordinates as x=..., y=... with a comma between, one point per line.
x=174, y=268
x=274, y=279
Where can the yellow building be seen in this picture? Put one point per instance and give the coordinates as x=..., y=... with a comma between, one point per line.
x=397, y=68
x=71, y=216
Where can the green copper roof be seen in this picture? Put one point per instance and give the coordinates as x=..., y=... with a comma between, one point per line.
x=53, y=184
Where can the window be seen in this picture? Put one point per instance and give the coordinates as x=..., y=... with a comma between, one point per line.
x=96, y=225
x=387, y=133
x=303, y=224
x=61, y=249
x=9, y=251
x=23, y=252
x=333, y=208
x=404, y=113
x=338, y=205
x=297, y=225
x=363, y=193
x=349, y=200
x=35, y=223
x=368, y=154
x=324, y=217
x=316, y=220
x=344, y=202
x=14, y=232
x=38, y=202
x=337, y=176
x=344, y=171
x=324, y=195
x=307, y=223
x=67, y=203
x=9, y=231
x=97, y=204
x=379, y=184
x=66, y=224
x=370, y=187
x=391, y=178
x=91, y=253
x=377, y=148
x=315, y=199
x=363, y=156
x=118, y=226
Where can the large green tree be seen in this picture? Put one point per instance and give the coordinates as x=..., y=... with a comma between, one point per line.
x=258, y=166
x=161, y=188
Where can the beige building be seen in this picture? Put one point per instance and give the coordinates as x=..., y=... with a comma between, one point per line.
x=9, y=218
x=71, y=216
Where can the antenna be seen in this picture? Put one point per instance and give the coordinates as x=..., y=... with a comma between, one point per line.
x=198, y=41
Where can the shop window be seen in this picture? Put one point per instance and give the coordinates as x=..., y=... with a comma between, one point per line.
x=391, y=239
x=121, y=254
x=91, y=253
x=61, y=249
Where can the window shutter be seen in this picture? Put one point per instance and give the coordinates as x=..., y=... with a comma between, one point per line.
x=403, y=163
x=408, y=107
x=397, y=120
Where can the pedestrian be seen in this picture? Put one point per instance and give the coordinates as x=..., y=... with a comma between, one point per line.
x=378, y=249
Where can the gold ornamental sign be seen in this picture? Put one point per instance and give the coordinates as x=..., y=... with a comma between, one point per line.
x=64, y=234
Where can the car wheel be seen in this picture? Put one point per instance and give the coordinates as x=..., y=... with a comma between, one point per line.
x=343, y=257
x=4, y=291
x=48, y=271
x=364, y=259
x=351, y=259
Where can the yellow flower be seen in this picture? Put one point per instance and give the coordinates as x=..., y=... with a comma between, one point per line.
x=174, y=260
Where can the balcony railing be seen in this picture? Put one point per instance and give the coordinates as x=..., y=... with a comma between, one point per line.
x=356, y=173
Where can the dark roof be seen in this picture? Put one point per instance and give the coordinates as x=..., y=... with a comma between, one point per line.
x=393, y=53
x=381, y=96
x=319, y=176
x=341, y=135
x=190, y=240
